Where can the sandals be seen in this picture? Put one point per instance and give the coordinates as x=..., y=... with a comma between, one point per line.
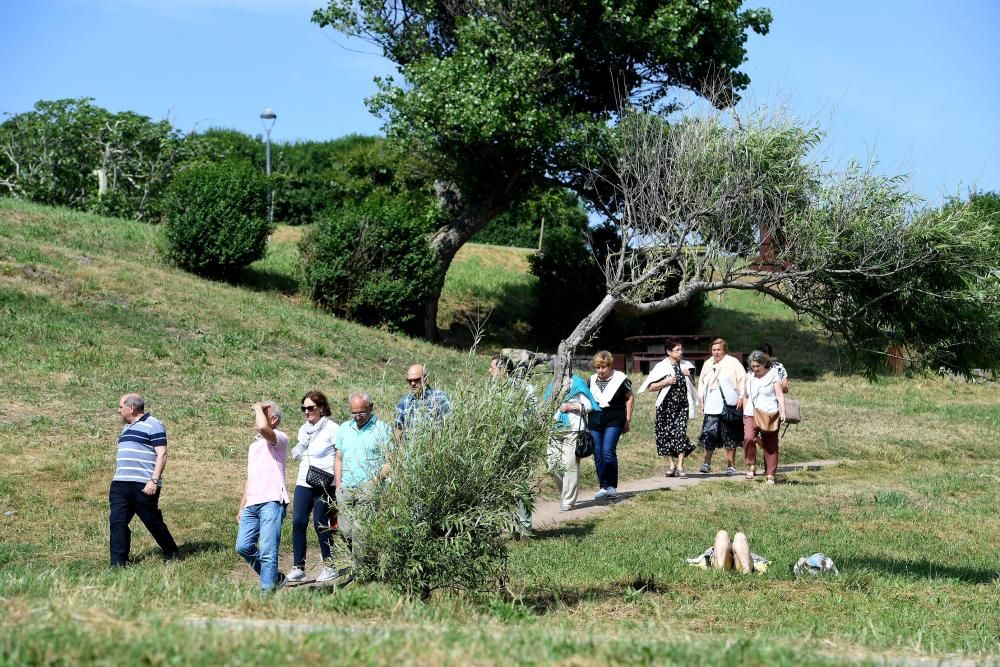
x=672, y=472
x=682, y=474
x=751, y=473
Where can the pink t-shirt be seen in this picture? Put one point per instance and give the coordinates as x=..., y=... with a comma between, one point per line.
x=266, y=470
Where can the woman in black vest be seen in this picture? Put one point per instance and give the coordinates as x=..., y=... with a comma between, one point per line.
x=613, y=391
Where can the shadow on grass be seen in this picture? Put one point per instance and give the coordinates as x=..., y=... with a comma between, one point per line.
x=575, y=530
x=807, y=352
x=187, y=550
x=543, y=602
x=505, y=326
x=920, y=569
x=262, y=280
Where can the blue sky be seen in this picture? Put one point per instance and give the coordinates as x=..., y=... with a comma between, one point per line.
x=913, y=84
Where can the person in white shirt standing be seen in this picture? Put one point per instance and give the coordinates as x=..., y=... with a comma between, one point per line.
x=316, y=449
x=766, y=398
x=718, y=387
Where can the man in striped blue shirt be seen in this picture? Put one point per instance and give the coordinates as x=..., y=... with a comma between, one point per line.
x=135, y=489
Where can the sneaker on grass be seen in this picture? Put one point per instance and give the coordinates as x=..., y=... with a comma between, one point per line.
x=612, y=492
x=705, y=469
x=296, y=574
x=600, y=494
x=328, y=574
x=730, y=471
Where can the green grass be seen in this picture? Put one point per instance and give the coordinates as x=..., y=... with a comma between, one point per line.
x=490, y=285
x=89, y=311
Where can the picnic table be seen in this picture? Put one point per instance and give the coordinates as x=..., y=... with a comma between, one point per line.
x=697, y=350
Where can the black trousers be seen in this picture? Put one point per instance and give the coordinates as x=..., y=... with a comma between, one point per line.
x=127, y=500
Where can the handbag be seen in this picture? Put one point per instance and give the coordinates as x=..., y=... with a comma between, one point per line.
x=766, y=422
x=793, y=411
x=584, y=444
x=730, y=416
x=319, y=479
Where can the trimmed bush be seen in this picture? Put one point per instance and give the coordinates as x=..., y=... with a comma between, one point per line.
x=371, y=263
x=217, y=218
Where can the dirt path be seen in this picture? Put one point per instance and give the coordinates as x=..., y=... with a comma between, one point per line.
x=547, y=513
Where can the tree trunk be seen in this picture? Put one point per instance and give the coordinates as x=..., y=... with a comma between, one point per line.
x=587, y=327
x=445, y=244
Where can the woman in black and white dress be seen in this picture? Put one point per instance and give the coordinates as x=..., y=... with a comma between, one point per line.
x=675, y=405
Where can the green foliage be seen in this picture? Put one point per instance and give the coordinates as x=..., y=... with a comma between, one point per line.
x=219, y=144
x=311, y=178
x=59, y=153
x=930, y=287
x=370, y=262
x=494, y=91
x=455, y=485
x=217, y=218
x=318, y=177
x=521, y=225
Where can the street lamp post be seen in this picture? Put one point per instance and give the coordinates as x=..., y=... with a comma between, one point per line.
x=267, y=118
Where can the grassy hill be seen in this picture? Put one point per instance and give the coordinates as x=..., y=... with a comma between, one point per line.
x=88, y=311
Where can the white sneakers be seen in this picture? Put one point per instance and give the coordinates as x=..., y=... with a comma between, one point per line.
x=296, y=574
x=601, y=494
x=610, y=492
x=327, y=574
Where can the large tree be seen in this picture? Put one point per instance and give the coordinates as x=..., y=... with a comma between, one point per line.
x=848, y=248
x=503, y=97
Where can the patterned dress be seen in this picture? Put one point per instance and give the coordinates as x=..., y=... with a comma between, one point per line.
x=671, y=420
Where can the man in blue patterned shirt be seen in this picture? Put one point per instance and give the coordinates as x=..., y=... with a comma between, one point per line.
x=135, y=489
x=422, y=403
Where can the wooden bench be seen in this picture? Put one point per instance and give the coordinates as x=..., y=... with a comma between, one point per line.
x=643, y=361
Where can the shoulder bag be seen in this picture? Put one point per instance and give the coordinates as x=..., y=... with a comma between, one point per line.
x=766, y=422
x=731, y=416
x=317, y=478
x=584, y=444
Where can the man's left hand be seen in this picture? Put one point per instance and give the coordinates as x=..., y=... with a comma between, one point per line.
x=150, y=489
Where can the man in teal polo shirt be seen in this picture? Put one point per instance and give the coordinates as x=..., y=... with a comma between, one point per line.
x=363, y=444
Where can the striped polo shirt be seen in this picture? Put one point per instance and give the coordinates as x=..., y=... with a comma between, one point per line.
x=136, y=453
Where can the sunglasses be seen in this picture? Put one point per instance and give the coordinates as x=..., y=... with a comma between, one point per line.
x=309, y=408
x=413, y=380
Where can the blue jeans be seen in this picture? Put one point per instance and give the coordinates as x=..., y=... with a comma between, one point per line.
x=259, y=538
x=311, y=501
x=606, y=455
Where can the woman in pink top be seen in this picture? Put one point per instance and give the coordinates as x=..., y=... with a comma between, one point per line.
x=262, y=508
